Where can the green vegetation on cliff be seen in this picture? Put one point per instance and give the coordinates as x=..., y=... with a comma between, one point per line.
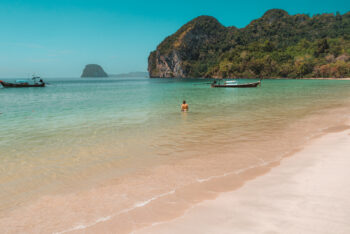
x=275, y=45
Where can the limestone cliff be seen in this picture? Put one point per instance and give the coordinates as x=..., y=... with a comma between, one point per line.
x=165, y=66
x=275, y=45
x=190, y=43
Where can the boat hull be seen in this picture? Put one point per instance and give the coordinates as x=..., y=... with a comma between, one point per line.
x=12, y=85
x=248, y=85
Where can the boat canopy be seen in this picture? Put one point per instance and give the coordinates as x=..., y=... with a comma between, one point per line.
x=22, y=81
x=230, y=81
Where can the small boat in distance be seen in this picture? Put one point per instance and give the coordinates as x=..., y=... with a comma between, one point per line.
x=235, y=85
x=37, y=82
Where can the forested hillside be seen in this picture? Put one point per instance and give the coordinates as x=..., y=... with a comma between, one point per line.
x=275, y=45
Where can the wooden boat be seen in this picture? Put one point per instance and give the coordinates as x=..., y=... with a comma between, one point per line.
x=23, y=84
x=246, y=85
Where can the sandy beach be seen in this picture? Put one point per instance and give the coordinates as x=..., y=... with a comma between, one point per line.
x=94, y=138
x=242, y=167
x=308, y=193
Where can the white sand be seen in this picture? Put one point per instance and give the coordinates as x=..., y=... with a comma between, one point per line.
x=307, y=193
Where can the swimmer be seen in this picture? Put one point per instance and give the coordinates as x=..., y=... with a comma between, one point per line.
x=184, y=106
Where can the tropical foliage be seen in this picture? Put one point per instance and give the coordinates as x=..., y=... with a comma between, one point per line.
x=275, y=45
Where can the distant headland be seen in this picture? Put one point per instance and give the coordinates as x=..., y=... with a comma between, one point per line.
x=93, y=70
x=130, y=74
x=275, y=45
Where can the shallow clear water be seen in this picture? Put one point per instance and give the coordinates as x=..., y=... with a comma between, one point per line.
x=76, y=133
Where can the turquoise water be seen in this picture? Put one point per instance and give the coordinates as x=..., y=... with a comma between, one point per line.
x=92, y=130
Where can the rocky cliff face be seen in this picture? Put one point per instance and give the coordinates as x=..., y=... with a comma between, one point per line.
x=93, y=70
x=190, y=43
x=277, y=44
x=165, y=66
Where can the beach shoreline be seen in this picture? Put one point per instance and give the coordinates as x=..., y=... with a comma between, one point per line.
x=157, y=216
x=208, y=159
x=169, y=211
x=306, y=193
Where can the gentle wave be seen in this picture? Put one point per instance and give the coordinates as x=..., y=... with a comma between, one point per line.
x=106, y=218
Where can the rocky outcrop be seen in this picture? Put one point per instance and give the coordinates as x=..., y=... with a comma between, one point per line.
x=93, y=70
x=190, y=42
x=165, y=66
x=268, y=46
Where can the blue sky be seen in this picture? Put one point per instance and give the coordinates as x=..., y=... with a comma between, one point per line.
x=56, y=38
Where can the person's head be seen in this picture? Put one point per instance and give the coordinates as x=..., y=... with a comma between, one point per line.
x=184, y=102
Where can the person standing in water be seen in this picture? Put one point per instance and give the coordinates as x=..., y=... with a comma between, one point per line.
x=184, y=106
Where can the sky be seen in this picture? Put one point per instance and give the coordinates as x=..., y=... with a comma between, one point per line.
x=57, y=38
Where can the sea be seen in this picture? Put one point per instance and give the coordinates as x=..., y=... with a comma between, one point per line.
x=83, y=153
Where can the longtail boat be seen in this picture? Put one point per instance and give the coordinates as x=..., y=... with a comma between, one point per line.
x=246, y=85
x=24, y=83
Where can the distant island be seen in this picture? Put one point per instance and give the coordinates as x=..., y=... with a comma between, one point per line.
x=275, y=45
x=130, y=74
x=93, y=70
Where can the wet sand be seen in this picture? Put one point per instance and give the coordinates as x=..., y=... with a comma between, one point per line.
x=157, y=197
x=307, y=193
x=206, y=160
